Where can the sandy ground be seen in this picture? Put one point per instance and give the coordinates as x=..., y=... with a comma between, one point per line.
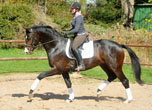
x=52, y=92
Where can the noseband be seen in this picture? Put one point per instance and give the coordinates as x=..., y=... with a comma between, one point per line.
x=33, y=46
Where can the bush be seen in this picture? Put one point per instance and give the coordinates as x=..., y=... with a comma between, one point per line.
x=105, y=12
x=13, y=17
x=59, y=10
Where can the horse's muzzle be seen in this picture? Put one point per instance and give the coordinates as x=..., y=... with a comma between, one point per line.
x=27, y=51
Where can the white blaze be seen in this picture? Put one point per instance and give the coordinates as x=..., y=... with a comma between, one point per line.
x=26, y=50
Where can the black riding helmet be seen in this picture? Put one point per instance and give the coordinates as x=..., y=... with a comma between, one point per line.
x=76, y=5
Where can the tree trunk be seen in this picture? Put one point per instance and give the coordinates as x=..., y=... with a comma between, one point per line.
x=127, y=7
x=83, y=6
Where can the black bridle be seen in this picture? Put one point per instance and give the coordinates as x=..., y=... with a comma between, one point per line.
x=33, y=46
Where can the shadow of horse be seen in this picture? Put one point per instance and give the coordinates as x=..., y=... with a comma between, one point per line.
x=50, y=95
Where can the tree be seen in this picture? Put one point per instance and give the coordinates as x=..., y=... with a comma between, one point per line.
x=83, y=6
x=127, y=7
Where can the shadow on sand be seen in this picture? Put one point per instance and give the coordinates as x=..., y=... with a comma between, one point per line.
x=50, y=95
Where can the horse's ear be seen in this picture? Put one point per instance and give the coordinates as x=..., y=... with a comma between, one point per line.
x=28, y=30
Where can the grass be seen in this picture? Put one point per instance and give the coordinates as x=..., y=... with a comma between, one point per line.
x=15, y=52
x=38, y=66
x=98, y=73
x=29, y=66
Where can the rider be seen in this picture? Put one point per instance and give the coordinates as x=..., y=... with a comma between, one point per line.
x=79, y=33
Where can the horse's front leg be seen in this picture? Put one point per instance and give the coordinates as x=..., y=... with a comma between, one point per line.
x=51, y=72
x=68, y=84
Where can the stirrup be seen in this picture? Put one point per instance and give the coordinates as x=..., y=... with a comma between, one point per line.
x=80, y=67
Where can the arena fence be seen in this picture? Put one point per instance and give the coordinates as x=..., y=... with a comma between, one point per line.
x=45, y=58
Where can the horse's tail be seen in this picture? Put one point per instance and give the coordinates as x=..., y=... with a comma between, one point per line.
x=135, y=64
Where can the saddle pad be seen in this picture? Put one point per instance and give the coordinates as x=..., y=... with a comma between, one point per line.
x=86, y=52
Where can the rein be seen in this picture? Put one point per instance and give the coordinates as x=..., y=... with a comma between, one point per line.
x=41, y=43
x=49, y=41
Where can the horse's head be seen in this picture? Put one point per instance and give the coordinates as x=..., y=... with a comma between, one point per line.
x=31, y=41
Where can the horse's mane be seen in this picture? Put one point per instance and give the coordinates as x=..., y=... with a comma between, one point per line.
x=46, y=29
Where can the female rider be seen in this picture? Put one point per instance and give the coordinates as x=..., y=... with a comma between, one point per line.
x=79, y=33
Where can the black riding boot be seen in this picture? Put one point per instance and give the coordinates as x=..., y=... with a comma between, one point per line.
x=78, y=56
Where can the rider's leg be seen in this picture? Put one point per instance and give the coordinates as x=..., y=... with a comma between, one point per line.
x=79, y=59
x=78, y=41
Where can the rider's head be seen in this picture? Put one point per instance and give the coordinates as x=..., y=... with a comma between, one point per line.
x=76, y=7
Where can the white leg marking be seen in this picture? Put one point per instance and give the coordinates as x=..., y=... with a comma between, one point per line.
x=129, y=95
x=34, y=85
x=103, y=85
x=71, y=95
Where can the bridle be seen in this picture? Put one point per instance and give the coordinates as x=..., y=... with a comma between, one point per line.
x=33, y=46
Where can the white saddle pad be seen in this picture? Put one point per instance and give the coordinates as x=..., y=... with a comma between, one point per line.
x=87, y=50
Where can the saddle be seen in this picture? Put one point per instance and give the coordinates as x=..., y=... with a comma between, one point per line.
x=86, y=49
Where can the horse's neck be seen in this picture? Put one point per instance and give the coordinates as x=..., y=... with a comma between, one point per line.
x=50, y=43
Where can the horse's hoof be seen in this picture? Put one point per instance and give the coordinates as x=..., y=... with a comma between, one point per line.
x=98, y=93
x=69, y=100
x=127, y=101
x=30, y=96
x=30, y=100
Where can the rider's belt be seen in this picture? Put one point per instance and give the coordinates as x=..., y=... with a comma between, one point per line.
x=81, y=34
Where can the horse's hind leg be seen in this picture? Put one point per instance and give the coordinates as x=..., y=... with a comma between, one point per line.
x=111, y=77
x=125, y=83
x=41, y=76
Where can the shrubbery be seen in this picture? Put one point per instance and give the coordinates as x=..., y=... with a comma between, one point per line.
x=106, y=12
x=13, y=17
x=18, y=14
x=103, y=13
x=60, y=12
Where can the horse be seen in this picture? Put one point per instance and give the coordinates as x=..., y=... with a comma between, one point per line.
x=109, y=55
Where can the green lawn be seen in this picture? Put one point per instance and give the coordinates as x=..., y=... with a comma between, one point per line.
x=38, y=66
x=28, y=66
x=146, y=74
x=14, y=52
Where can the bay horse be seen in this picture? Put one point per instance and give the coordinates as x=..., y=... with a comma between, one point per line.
x=108, y=54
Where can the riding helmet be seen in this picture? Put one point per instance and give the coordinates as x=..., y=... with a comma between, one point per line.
x=76, y=5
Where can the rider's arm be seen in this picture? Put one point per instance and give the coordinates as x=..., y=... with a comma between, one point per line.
x=77, y=26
